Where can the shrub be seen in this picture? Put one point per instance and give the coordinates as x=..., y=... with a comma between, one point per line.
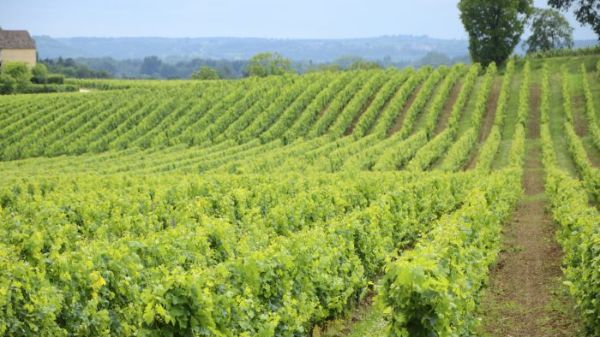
x=206, y=73
x=55, y=79
x=47, y=88
x=8, y=84
x=19, y=72
x=40, y=73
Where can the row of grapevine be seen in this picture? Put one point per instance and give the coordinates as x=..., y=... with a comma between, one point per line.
x=367, y=158
x=419, y=103
x=24, y=120
x=490, y=146
x=580, y=238
x=185, y=113
x=426, y=155
x=433, y=150
x=459, y=152
x=249, y=123
x=137, y=282
x=433, y=289
x=234, y=100
x=319, y=104
x=433, y=112
x=287, y=118
x=329, y=116
x=258, y=97
x=566, y=95
x=590, y=109
x=397, y=155
x=590, y=175
x=394, y=107
x=16, y=144
x=274, y=159
x=358, y=103
x=138, y=126
x=264, y=120
x=376, y=107
x=393, y=152
x=335, y=160
x=517, y=149
x=578, y=232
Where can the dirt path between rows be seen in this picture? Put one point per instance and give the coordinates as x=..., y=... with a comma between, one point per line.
x=400, y=118
x=448, y=106
x=522, y=299
x=490, y=113
x=350, y=129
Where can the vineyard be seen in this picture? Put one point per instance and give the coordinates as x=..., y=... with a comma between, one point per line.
x=274, y=206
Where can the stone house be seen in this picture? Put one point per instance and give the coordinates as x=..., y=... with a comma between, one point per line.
x=17, y=46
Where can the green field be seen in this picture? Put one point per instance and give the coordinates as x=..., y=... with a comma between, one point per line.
x=287, y=205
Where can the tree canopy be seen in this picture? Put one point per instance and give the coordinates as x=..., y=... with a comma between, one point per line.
x=151, y=66
x=39, y=73
x=364, y=65
x=586, y=11
x=494, y=27
x=549, y=30
x=19, y=72
x=206, y=73
x=267, y=64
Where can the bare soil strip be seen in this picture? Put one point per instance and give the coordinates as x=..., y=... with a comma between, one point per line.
x=447, y=110
x=490, y=113
x=525, y=297
x=409, y=102
x=350, y=129
x=533, y=130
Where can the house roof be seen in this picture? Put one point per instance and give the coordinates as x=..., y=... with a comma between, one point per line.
x=16, y=39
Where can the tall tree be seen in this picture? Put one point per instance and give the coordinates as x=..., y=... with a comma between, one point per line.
x=206, y=73
x=549, y=30
x=267, y=64
x=495, y=27
x=151, y=66
x=586, y=11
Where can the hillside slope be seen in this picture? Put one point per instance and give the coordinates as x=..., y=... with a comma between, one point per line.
x=273, y=207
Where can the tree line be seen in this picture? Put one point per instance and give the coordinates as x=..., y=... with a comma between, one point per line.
x=495, y=27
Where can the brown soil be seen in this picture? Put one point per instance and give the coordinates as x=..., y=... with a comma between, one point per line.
x=533, y=130
x=522, y=282
x=400, y=118
x=447, y=110
x=472, y=162
x=350, y=129
x=490, y=113
x=322, y=112
x=521, y=300
x=343, y=326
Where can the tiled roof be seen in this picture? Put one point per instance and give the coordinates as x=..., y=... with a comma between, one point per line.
x=16, y=39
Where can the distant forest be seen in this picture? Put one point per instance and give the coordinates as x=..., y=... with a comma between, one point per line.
x=155, y=67
x=171, y=58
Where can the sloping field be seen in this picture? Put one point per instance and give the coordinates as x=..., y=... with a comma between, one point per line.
x=276, y=206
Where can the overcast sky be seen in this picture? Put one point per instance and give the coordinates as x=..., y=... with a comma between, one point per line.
x=240, y=18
